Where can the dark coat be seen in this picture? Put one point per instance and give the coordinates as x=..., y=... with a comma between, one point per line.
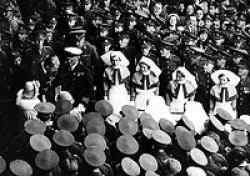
x=79, y=82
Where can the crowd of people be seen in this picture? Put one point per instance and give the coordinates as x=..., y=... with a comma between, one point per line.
x=127, y=88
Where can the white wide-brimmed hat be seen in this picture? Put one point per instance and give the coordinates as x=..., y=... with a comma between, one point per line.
x=152, y=66
x=232, y=77
x=189, y=76
x=106, y=58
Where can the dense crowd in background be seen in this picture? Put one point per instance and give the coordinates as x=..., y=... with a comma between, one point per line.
x=127, y=87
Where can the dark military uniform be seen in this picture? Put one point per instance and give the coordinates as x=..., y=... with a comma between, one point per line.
x=244, y=97
x=79, y=81
x=168, y=66
x=33, y=59
x=205, y=84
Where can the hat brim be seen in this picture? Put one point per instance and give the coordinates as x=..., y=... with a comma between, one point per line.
x=233, y=78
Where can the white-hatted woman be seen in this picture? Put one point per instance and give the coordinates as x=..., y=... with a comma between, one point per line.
x=224, y=93
x=145, y=82
x=116, y=79
x=27, y=98
x=182, y=90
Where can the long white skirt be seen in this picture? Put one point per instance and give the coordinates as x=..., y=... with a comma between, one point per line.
x=195, y=112
x=142, y=99
x=227, y=107
x=118, y=97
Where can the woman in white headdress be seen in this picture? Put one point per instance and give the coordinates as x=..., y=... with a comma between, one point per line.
x=116, y=78
x=182, y=90
x=145, y=82
x=224, y=93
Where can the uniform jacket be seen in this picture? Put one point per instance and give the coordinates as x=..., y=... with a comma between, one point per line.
x=79, y=82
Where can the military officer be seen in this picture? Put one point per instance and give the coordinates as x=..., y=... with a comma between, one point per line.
x=168, y=63
x=75, y=78
x=90, y=59
x=205, y=83
x=243, y=89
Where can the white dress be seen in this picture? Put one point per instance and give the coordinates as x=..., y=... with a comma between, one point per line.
x=224, y=101
x=118, y=94
x=194, y=111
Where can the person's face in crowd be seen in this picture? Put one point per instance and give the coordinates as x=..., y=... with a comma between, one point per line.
x=190, y=10
x=217, y=24
x=97, y=21
x=224, y=26
x=54, y=64
x=173, y=20
x=212, y=10
x=49, y=36
x=208, y=67
x=124, y=42
x=9, y=14
x=225, y=3
x=208, y=23
x=219, y=42
x=150, y=28
x=180, y=77
x=132, y=24
x=203, y=36
x=223, y=79
x=204, y=7
x=192, y=24
x=81, y=41
x=199, y=14
x=87, y=6
x=104, y=33
x=146, y=50
x=18, y=61
x=53, y=23
x=107, y=3
x=144, y=68
x=221, y=63
x=117, y=14
x=72, y=21
x=157, y=9
x=40, y=41
x=241, y=23
x=68, y=8
x=32, y=24
x=243, y=72
x=73, y=60
x=165, y=52
x=115, y=60
x=22, y=36
x=181, y=7
x=237, y=59
x=118, y=28
x=107, y=47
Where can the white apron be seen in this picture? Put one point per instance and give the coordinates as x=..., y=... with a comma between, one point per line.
x=142, y=98
x=226, y=106
x=118, y=97
x=194, y=111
